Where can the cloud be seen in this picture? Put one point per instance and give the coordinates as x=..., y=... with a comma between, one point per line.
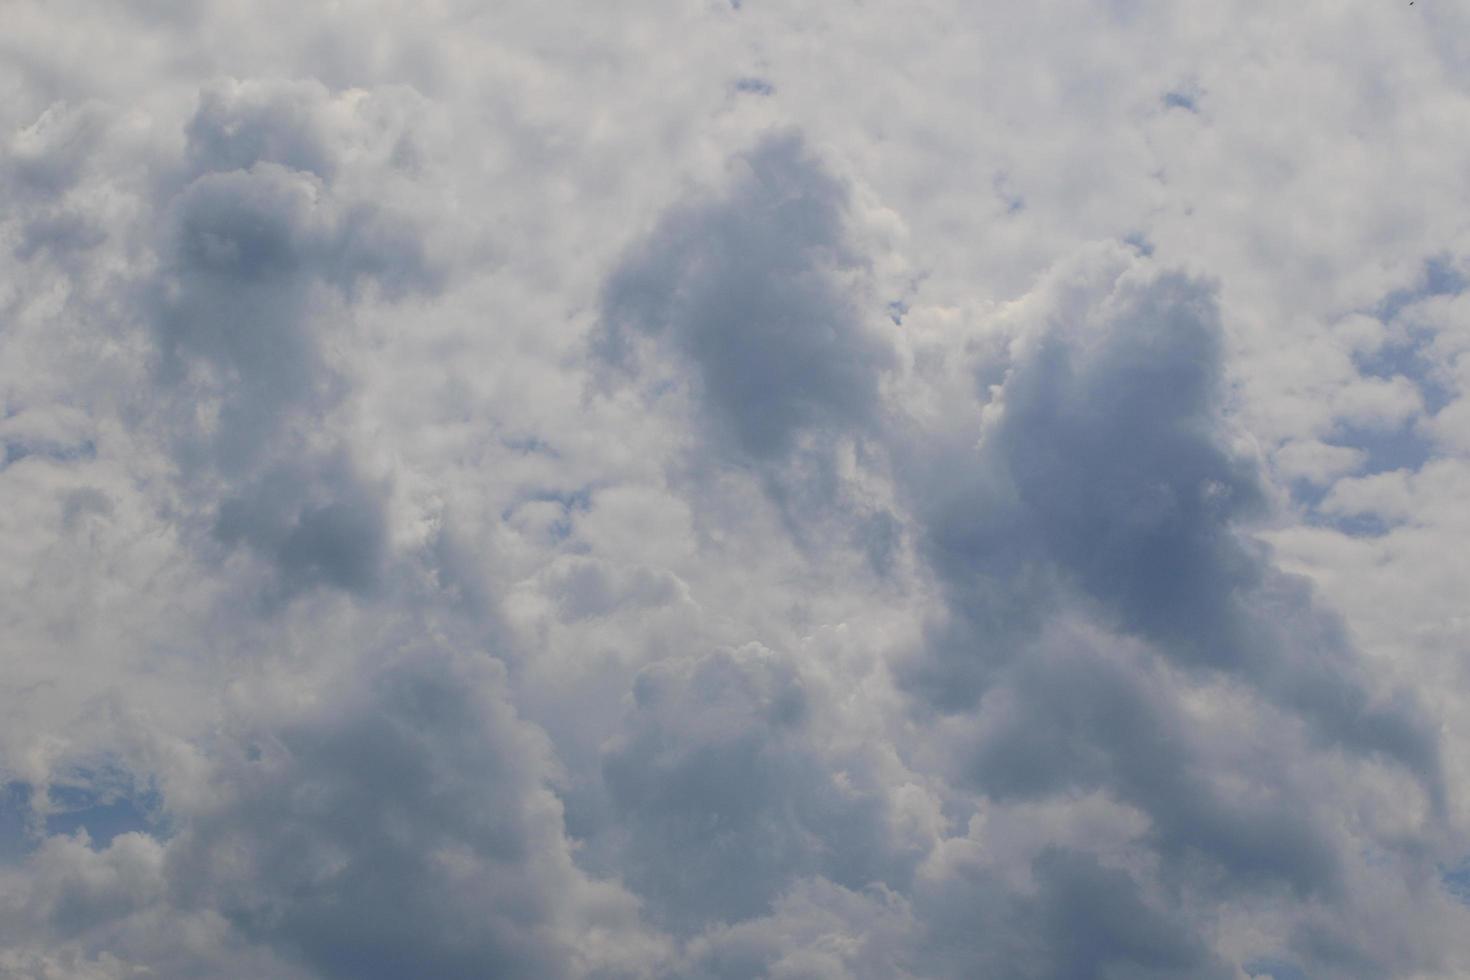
x=1105, y=487
x=317, y=524
x=724, y=801
x=1104, y=473
x=263, y=253
x=816, y=929
x=746, y=290
x=1084, y=920
x=405, y=829
x=239, y=124
x=405, y=826
x=924, y=493
x=752, y=306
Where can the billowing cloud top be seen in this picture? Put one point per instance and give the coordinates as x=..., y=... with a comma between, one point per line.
x=734, y=490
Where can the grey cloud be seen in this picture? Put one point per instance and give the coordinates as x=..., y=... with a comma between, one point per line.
x=1085, y=921
x=240, y=124
x=816, y=931
x=250, y=249
x=249, y=226
x=59, y=233
x=1097, y=925
x=348, y=238
x=374, y=246
x=744, y=290
x=401, y=830
x=752, y=303
x=48, y=157
x=1029, y=699
x=1073, y=720
x=1104, y=488
x=1108, y=475
x=1339, y=955
x=266, y=255
x=235, y=329
x=1107, y=467
x=722, y=800
x=75, y=890
x=400, y=826
x=587, y=589
x=43, y=168
x=237, y=300
x=319, y=523
x=1111, y=444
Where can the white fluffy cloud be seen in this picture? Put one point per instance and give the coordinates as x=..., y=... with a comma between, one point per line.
x=734, y=490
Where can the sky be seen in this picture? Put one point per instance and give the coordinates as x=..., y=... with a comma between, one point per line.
x=730, y=489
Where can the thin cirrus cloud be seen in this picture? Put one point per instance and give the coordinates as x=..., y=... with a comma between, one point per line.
x=636, y=496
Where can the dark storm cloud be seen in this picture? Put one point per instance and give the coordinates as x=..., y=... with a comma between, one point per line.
x=743, y=289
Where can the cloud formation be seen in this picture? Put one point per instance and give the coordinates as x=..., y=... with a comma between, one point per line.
x=732, y=492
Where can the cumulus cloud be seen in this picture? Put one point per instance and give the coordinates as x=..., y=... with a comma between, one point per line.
x=262, y=259
x=733, y=492
x=724, y=800
x=404, y=829
x=1103, y=471
x=756, y=308
x=746, y=289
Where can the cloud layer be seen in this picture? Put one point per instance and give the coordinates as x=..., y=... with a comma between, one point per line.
x=733, y=491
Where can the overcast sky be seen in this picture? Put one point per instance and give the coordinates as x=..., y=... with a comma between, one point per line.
x=731, y=489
